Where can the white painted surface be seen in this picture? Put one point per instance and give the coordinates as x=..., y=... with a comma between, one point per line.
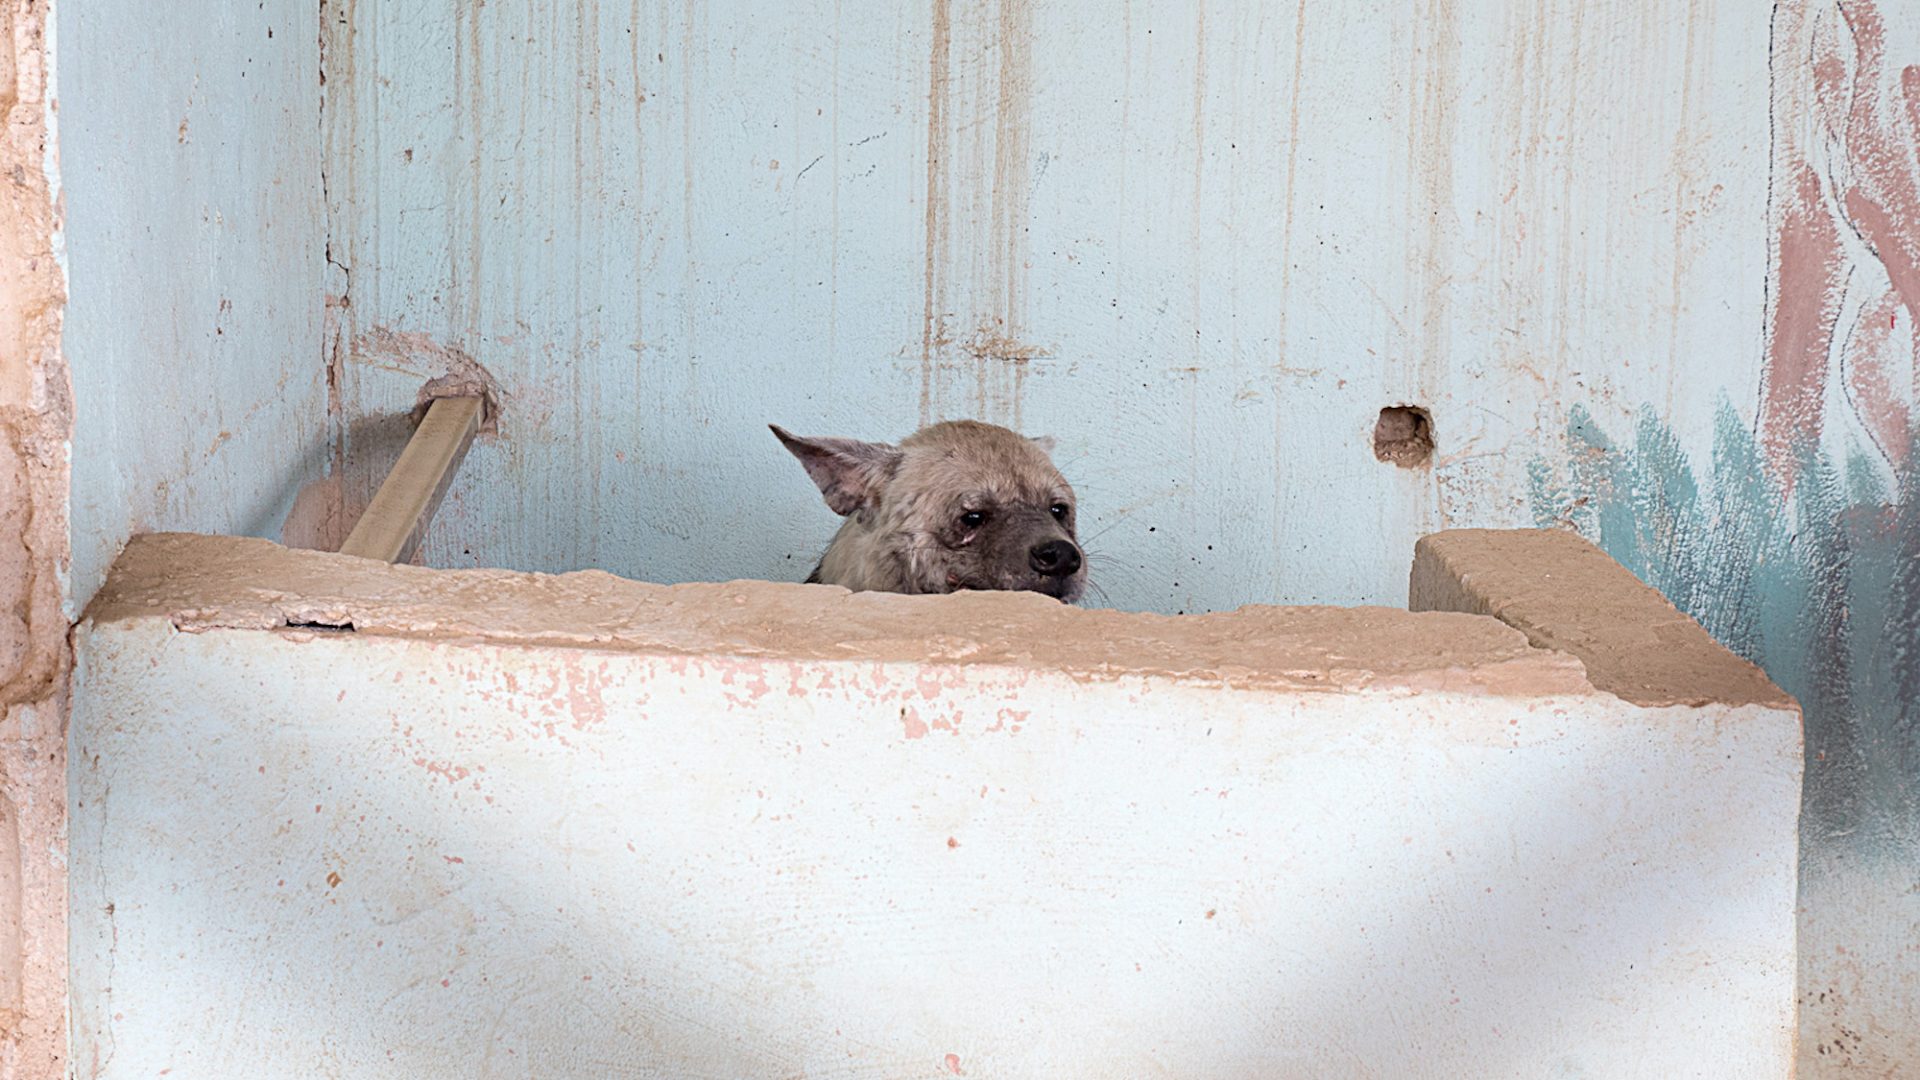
x=194, y=242
x=1222, y=235
x=376, y=857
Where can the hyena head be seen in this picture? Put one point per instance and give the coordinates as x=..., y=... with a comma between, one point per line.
x=959, y=505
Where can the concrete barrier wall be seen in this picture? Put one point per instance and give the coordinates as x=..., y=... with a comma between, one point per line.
x=338, y=818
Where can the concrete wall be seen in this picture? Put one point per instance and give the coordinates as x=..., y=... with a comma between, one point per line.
x=1653, y=268
x=493, y=824
x=195, y=247
x=35, y=421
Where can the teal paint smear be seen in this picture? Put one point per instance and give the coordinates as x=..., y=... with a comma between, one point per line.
x=1901, y=641
x=1820, y=588
x=1864, y=485
x=1667, y=512
x=1837, y=746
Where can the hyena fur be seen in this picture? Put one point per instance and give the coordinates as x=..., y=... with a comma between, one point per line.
x=958, y=505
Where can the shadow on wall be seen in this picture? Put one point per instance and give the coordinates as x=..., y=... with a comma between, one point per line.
x=491, y=945
x=1820, y=587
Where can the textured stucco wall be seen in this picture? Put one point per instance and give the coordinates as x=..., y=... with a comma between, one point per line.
x=196, y=251
x=514, y=825
x=35, y=419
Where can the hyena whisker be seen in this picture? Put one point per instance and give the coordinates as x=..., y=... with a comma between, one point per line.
x=1111, y=525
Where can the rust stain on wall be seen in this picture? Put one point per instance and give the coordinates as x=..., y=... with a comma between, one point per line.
x=1001, y=381
x=1293, y=162
x=974, y=320
x=1430, y=149
x=1196, y=236
x=939, y=77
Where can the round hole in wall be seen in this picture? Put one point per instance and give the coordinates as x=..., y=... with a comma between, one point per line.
x=1404, y=436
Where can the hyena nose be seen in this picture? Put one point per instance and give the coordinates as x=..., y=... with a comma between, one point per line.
x=1055, y=558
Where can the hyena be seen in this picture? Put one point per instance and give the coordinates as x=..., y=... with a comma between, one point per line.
x=958, y=505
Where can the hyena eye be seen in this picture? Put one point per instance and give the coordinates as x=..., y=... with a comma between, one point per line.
x=973, y=519
x=1060, y=511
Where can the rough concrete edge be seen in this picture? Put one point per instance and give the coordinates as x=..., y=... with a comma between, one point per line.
x=36, y=428
x=1565, y=594
x=202, y=583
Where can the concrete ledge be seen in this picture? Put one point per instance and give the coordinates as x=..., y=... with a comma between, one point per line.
x=1565, y=594
x=514, y=825
x=216, y=582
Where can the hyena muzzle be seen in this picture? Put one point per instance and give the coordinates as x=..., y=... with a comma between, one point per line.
x=958, y=505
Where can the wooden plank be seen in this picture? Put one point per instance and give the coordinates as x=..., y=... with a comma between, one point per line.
x=397, y=517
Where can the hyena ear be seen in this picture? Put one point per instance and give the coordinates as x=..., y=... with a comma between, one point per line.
x=848, y=472
x=1044, y=442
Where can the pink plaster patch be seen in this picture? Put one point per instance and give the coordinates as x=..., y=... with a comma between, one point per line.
x=749, y=676
x=1876, y=355
x=953, y=1065
x=910, y=720
x=573, y=691
x=445, y=770
x=929, y=683
x=1846, y=161
x=1808, y=274
x=1010, y=719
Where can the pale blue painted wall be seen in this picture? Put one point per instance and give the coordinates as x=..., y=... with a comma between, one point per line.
x=190, y=157
x=1219, y=238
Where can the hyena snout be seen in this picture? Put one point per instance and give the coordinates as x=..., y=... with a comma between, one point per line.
x=1055, y=558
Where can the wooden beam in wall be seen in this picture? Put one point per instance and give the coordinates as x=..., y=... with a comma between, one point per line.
x=397, y=517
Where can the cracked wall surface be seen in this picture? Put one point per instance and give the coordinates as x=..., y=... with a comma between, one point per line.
x=35, y=422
